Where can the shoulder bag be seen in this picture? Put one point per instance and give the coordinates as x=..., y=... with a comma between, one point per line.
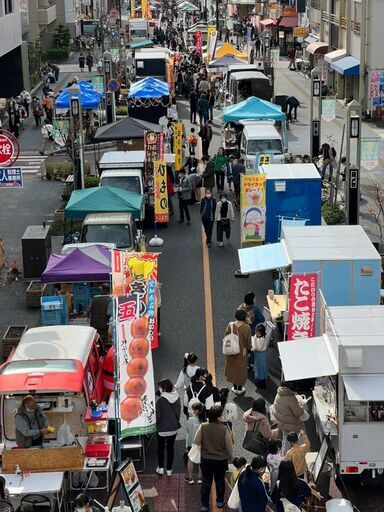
x=254, y=441
x=231, y=344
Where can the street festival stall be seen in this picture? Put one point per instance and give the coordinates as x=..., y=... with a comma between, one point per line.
x=128, y=132
x=149, y=99
x=251, y=109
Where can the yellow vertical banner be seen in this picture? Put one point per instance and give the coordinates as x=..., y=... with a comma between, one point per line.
x=161, y=191
x=144, y=8
x=178, y=145
x=252, y=207
x=132, y=8
x=210, y=30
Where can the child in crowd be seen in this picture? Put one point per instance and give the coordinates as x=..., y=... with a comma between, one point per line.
x=193, y=424
x=192, y=142
x=230, y=410
x=188, y=371
x=260, y=348
x=274, y=457
x=298, y=452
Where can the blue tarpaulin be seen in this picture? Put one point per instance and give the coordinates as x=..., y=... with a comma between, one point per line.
x=149, y=87
x=348, y=66
x=88, y=96
x=252, y=109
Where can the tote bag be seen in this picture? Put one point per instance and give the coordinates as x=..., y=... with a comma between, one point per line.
x=254, y=441
x=194, y=454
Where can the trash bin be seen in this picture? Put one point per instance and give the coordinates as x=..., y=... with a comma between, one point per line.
x=338, y=505
x=324, y=478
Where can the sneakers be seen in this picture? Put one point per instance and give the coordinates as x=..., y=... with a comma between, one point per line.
x=236, y=391
x=241, y=391
x=160, y=471
x=189, y=481
x=180, y=221
x=169, y=472
x=220, y=504
x=221, y=244
x=188, y=222
x=199, y=481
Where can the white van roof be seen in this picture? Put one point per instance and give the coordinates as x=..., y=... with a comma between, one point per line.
x=56, y=342
x=118, y=173
x=248, y=75
x=122, y=157
x=151, y=56
x=261, y=131
x=108, y=218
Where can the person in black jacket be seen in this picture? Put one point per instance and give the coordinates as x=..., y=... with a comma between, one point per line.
x=207, y=212
x=193, y=105
x=167, y=423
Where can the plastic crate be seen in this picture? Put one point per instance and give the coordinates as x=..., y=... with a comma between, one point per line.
x=54, y=311
x=81, y=296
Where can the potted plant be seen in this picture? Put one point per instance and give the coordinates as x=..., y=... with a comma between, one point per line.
x=35, y=290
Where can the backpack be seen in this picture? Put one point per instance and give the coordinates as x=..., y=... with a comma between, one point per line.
x=194, y=399
x=231, y=345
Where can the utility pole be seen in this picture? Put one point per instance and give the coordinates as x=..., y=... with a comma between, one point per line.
x=315, y=129
x=76, y=120
x=352, y=172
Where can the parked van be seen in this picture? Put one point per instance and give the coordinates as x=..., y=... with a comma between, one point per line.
x=128, y=179
x=244, y=84
x=61, y=367
x=261, y=139
x=115, y=228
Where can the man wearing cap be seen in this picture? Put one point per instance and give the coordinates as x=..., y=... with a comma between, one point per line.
x=30, y=423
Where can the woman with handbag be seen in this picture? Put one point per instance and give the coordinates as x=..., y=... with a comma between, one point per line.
x=253, y=486
x=258, y=429
x=216, y=451
x=167, y=423
x=236, y=366
x=289, y=487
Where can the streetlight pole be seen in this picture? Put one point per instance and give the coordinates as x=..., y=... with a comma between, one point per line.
x=123, y=57
x=76, y=120
x=352, y=172
x=315, y=131
x=109, y=96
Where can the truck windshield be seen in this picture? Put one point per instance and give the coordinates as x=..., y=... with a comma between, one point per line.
x=118, y=234
x=264, y=146
x=138, y=32
x=38, y=365
x=130, y=183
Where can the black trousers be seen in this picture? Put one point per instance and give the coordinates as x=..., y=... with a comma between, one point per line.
x=163, y=442
x=223, y=226
x=290, y=108
x=220, y=176
x=213, y=469
x=205, y=146
x=183, y=208
x=208, y=228
x=193, y=115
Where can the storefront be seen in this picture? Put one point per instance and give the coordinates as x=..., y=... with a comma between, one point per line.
x=285, y=28
x=348, y=69
x=333, y=78
x=315, y=52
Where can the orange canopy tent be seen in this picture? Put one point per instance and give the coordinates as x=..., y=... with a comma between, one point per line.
x=228, y=49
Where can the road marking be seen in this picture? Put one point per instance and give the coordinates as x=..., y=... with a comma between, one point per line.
x=30, y=164
x=211, y=364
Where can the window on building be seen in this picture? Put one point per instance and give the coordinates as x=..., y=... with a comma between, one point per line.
x=357, y=12
x=315, y=4
x=8, y=6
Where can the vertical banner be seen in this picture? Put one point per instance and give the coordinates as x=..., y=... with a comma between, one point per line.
x=252, y=207
x=302, y=306
x=153, y=147
x=135, y=274
x=161, y=191
x=144, y=9
x=249, y=34
x=178, y=145
x=212, y=44
x=133, y=8
x=171, y=73
x=370, y=153
x=328, y=109
x=199, y=42
x=275, y=55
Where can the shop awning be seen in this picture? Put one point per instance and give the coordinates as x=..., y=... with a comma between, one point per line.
x=310, y=39
x=306, y=358
x=348, y=66
x=267, y=22
x=288, y=21
x=363, y=388
x=142, y=44
x=335, y=55
x=264, y=257
x=318, y=48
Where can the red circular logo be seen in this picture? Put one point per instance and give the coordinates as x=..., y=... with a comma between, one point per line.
x=9, y=148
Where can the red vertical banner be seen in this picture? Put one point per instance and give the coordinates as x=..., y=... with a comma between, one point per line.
x=199, y=42
x=302, y=306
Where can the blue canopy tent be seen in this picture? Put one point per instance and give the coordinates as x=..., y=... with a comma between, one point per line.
x=88, y=96
x=252, y=109
x=148, y=87
x=141, y=44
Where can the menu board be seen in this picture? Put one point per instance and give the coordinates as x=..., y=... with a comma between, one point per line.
x=126, y=485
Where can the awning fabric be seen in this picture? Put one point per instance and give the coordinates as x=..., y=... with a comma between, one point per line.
x=141, y=44
x=89, y=98
x=306, y=359
x=253, y=108
x=335, y=55
x=264, y=257
x=148, y=87
x=319, y=48
x=348, y=66
x=363, y=388
x=126, y=128
x=310, y=39
x=267, y=22
x=288, y=21
x=228, y=49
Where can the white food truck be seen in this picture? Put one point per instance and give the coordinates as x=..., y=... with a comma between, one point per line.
x=348, y=399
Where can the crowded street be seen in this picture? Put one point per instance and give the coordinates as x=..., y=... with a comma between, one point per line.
x=191, y=240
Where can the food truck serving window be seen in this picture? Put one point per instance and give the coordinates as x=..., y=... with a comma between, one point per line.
x=36, y=365
x=364, y=387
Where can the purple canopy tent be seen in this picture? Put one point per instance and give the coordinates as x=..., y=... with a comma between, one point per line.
x=82, y=265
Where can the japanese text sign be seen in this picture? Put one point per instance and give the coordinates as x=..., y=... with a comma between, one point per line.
x=135, y=275
x=300, y=31
x=252, y=208
x=370, y=153
x=178, y=145
x=161, y=191
x=9, y=148
x=199, y=42
x=154, y=148
x=11, y=177
x=302, y=306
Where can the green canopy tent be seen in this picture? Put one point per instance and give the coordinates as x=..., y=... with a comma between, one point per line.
x=103, y=200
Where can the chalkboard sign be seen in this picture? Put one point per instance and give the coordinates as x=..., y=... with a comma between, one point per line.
x=126, y=479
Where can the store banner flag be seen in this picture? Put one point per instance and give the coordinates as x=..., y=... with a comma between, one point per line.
x=144, y=8
x=98, y=83
x=249, y=35
x=212, y=40
x=161, y=191
x=275, y=55
x=302, y=306
x=154, y=148
x=137, y=386
x=178, y=145
x=328, y=109
x=199, y=43
x=133, y=8
x=252, y=208
x=370, y=153
x=135, y=274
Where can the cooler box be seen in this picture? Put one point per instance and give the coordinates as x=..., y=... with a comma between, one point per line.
x=98, y=450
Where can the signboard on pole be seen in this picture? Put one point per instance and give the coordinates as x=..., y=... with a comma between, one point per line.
x=178, y=145
x=11, y=177
x=302, y=306
x=370, y=153
x=300, y=31
x=161, y=191
x=328, y=109
x=9, y=148
x=252, y=207
x=98, y=83
x=199, y=42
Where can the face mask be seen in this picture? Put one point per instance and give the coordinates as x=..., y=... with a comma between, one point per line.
x=223, y=200
x=82, y=509
x=208, y=196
